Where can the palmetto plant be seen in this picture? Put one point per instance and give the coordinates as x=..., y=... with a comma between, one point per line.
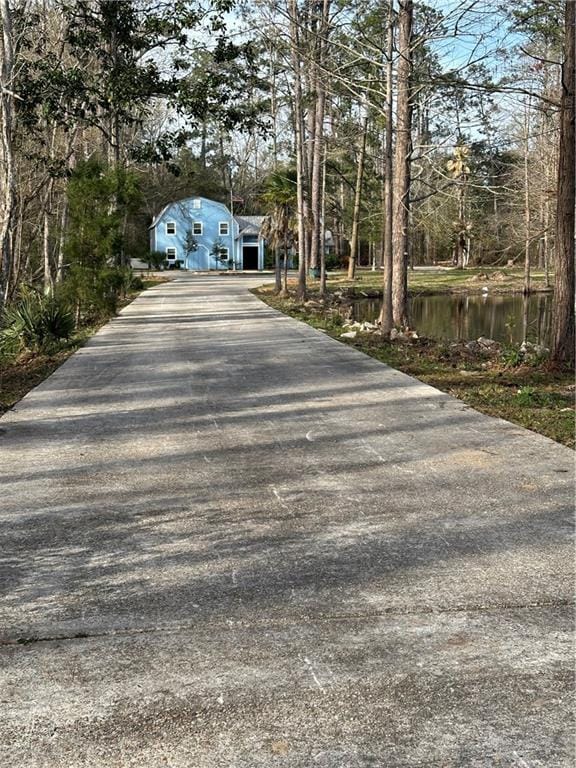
x=34, y=323
x=279, y=199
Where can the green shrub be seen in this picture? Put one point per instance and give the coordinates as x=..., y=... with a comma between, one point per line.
x=155, y=259
x=126, y=280
x=94, y=294
x=35, y=323
x=115, y=280
x=269, y=258
x=337, y=321
x=512, y=357
x=332, y=262
x=107, y=290
x=110, y=285
x=137, y=283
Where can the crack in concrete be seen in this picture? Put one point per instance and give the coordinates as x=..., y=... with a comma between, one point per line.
x=282, y=621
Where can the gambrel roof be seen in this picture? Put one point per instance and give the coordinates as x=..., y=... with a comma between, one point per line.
x=182, y=202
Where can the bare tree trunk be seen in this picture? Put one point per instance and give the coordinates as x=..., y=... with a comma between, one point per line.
x=306, y=142
x=47, y=279
x=342, y=241
x=525, y=305
x=402, y=166
x=496, y=212
x=47, y=282
x=541, y=249
x=17, y=267
x=546, y=247
x=563, y=307
x=527, y=220
x=284, y=291
x=62, y=240
x=323, y=241
x=71, y=162
x=386, y=316
x=299, y=142
x=383, y=202
x=317, y=235
x=306, y=37
x=272, y=51
x=337, y=240
x=7, y=173
x=354, y=242
x=462, y=238
x=277, y=270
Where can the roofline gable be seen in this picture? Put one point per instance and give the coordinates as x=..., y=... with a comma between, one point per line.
x=157, y=218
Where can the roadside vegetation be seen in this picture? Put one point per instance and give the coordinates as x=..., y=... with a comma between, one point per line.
x=497, y=379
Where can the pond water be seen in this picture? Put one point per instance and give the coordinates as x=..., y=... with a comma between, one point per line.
x=503, y=318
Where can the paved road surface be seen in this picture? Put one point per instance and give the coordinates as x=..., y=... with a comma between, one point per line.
x=230, y=541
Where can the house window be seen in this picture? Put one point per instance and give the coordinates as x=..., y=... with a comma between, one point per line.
x=170, y=227
x=223, y=228
x=197, y=203
x=223, y=255
x=170, y=253
x=250, y=238
x=197, y=228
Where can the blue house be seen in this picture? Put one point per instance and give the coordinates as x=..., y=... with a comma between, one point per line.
x=201, y=234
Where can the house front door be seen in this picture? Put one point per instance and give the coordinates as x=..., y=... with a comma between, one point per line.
x=250, y=257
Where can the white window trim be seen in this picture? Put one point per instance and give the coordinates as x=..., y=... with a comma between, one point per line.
x=224, y=251
x=170, y=234
x=196, y=204
x=198, y=224
x=174, y=256
x=223, y=224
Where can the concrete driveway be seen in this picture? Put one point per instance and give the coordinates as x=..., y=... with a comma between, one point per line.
x=229, y=540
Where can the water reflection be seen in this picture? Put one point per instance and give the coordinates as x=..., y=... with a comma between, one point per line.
x=508, y=319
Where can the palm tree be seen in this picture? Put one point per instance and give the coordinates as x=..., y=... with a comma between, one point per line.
x=279, y=199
